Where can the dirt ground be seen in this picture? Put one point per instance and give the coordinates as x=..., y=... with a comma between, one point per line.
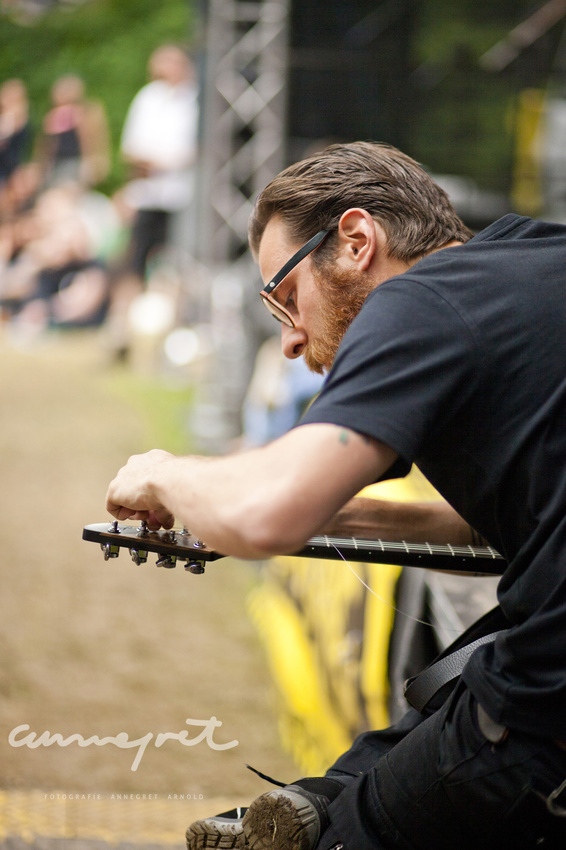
x=95, y=648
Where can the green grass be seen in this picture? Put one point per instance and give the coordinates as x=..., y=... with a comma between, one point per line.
x=162, y=405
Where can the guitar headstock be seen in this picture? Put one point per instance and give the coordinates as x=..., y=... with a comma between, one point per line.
x=169, y=546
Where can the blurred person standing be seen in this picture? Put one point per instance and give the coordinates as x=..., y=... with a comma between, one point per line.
x=74, y=141
x=159, y=143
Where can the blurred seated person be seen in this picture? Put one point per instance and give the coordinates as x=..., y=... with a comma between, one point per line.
x=278, y=394
x=14, y=127
x=20, y=191
x=53, y=278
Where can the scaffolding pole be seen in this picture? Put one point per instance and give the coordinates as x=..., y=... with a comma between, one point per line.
x=243, y=136
x=244, y=125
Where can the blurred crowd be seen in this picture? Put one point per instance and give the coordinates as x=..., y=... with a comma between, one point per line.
x=72, y=256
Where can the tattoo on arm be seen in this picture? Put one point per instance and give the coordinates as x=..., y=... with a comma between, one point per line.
x=344, y=437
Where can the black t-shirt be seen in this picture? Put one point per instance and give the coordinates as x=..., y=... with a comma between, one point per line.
x=460, y=366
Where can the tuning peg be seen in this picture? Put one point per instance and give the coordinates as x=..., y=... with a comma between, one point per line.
x=110, y=550
x=167, y=561
x=195, y=567
x=139, y=556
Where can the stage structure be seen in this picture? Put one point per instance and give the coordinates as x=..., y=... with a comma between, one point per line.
x=243, y=73
x=279, y=78
x=244, y=96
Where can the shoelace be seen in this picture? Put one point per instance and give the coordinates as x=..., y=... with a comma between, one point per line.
x=266, y=777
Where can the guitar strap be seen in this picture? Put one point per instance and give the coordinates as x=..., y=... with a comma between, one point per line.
x=429, y=689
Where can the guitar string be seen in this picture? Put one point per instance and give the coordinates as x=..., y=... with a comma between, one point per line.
x=386, y=601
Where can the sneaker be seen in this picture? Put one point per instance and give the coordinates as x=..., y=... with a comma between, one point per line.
x=223, y=832
x=290, y=818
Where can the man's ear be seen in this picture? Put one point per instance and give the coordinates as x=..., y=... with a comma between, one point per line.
x=358, y=237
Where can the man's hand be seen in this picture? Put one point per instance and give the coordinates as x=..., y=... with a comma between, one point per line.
x=131, y=495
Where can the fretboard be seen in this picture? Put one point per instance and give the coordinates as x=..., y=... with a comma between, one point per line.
x=480, y=560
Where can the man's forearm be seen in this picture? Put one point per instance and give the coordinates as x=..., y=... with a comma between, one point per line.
x=373, y=519
x=265, y=501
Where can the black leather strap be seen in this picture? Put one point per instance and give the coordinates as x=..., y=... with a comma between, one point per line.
x=421, y=689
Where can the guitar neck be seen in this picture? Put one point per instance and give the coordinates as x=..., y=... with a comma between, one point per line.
x=172, y=546
x=477, y=560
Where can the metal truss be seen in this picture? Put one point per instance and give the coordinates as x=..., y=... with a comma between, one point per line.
x=244, y=81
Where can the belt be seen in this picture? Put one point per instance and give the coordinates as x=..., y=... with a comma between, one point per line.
x=420, y=689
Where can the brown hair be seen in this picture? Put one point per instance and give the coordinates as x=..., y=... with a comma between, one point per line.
x=312, y=195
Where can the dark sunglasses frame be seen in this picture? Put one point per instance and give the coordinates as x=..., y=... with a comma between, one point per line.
x=274, y=307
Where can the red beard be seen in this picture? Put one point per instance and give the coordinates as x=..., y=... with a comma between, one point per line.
x=342, y=294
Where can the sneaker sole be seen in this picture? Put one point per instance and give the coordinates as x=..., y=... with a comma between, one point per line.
x=281, y=820
x=215, y=834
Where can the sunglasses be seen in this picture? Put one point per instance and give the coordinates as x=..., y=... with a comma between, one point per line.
x=274, y=307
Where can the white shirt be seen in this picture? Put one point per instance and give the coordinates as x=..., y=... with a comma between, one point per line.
x=161, y=129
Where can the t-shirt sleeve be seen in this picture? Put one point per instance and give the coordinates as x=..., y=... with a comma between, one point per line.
x=405, y=366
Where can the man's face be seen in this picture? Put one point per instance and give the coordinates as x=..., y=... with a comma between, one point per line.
x=170, y=64
x=322, y=301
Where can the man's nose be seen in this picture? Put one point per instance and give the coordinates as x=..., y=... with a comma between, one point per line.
x=293, y=341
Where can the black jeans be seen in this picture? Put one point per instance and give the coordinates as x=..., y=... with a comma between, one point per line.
x=437, y=783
